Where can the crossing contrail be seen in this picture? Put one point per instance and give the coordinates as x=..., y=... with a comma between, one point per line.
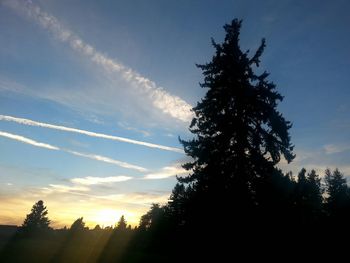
x=96, y=157
x=88, y=133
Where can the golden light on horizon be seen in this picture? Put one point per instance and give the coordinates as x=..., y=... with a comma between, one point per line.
x=106, y=217
x=14, y=211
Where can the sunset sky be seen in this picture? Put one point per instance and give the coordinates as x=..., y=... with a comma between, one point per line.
x=94, y=94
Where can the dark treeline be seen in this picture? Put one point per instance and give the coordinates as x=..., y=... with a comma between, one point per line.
x=235, y=197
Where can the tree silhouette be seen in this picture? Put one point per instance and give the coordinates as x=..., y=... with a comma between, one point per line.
x=152, y=217
x=239, y=135
x=122, y=224
x=37, y=219
x=338, y=199
x=78, y=225
x=308, y=198
x=97, y=227
x=315, y=190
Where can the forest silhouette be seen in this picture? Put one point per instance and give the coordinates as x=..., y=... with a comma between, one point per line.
x=234, y=197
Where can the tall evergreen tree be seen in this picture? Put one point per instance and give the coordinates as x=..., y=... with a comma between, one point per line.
x=37, y=219
x=152, y=217
x=315, y=192
x=308, y=198
x=338, y=198
x=239, y=134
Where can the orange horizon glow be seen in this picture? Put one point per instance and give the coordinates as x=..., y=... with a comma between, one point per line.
x=63, y=215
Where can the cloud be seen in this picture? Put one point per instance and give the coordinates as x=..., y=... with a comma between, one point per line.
x=169, y=104
x=28, y=141
x=136, y=198
x=317, y=159
x=108, y=160
x=8, y=85
x=88, y=133
x=54, y=188
x=96, y=157
x=129, y=128
x=332, y=148
x=166, y=172
x=90, y=180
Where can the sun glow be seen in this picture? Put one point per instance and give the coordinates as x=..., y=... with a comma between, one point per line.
x=107, y=217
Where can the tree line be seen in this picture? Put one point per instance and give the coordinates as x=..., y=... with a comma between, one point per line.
x=234, y=196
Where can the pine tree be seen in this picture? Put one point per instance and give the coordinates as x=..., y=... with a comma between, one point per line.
x=78, y=225
x=315, y=192
x=37, y=219
x=239, y=134
x=152, y=217
x=308, y=198
x=338, y=199
x=122, y=224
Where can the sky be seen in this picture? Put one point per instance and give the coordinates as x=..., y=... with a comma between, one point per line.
x=94, y=95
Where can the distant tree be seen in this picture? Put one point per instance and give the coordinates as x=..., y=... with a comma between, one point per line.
x=37, y=219
x=78, y=225
x=308, y=197
x=337, y=190
x=97, y=227
x=301, y=195
x=122, y=224
x=152, y=217
x=315, y=192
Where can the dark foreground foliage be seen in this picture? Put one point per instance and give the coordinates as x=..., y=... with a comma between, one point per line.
x=234, y=202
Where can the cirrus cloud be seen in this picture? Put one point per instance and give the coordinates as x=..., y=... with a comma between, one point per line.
x=91, y=180
x=95, y=157
x=88, y=133
x=160, y=99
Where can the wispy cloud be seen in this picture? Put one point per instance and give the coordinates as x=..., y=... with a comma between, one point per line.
x=129, y=128
x=166, y=172
x=27, y=141
x=91, y=180
x=8, y=85
x=53, y=188
x=318, y=159
x=136, y=198
x=333, y=148
x=169, y=104
x=88, y=133
x=108, y=160
x=86, y=155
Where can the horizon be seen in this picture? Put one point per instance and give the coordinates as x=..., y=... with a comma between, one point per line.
x=93, y=96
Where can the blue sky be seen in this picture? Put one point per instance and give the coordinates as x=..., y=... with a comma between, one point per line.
x=127, y=69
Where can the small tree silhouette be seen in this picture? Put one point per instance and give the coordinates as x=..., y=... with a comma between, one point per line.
x=122, y=224
x=78, y=225
x=37, y=219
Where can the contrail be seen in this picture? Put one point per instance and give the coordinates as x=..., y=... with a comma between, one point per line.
x=86, y=155
x=166, y=102
x=28, y=141
x=90, y=180
x=108, y=160
x=88, y=133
